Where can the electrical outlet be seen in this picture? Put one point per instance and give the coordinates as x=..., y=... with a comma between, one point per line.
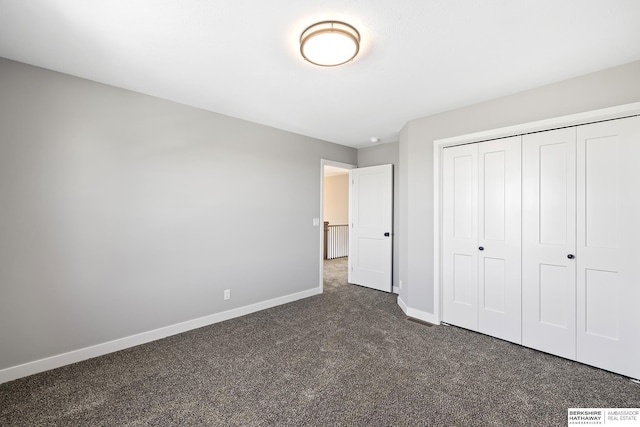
x=400, y=287
x=227, y=294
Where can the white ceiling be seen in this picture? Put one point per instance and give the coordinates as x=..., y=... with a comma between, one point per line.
x=241, y=57
x=334, y=171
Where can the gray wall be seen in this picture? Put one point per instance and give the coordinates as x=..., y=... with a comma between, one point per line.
x=611, y=87
x=121, y=213
x=386, y=154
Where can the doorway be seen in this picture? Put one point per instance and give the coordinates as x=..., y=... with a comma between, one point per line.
x=334, y=241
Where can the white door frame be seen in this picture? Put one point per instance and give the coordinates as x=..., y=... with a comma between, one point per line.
x=323, y=163
x=542, y=125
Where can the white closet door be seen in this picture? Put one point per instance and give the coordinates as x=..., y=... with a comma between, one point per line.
x=548, y=242
x=608, y=334
x=499, y=214
x=460, y=236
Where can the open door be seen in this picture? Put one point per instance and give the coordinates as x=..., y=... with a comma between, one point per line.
x=370, y=222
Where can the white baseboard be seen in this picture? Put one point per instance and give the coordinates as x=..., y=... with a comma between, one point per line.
x=418, y=314
x=30, y=368
x=402, y=304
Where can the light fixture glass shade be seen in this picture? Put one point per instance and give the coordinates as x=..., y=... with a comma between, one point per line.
x=329, y=43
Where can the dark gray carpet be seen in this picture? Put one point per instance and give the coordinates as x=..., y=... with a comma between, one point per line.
x=348, y=357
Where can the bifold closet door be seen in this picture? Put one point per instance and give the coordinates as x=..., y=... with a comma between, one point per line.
x=481, y=237
x=548, y=241
x=460, y=236
x=608, y=258
x=499, y=231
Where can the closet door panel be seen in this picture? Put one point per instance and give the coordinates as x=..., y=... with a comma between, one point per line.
x=460, y=231
x=499, y=218
x=548, y=239
x=608, y=238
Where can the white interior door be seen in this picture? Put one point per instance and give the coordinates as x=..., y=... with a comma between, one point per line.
x=608, y=333
x=499, y=231
x=548, y=241
x=371, y=223
x=460, y=236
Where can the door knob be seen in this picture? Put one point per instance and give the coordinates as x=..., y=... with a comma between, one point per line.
x=481, y=248
x=386, y=234
x=571, y=256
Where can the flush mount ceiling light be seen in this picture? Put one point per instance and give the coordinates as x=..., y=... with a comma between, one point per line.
x=329, y=43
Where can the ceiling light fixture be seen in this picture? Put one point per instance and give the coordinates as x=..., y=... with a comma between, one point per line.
x=329, y=43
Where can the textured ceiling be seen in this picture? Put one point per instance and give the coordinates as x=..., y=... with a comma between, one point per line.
x=241, y=58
